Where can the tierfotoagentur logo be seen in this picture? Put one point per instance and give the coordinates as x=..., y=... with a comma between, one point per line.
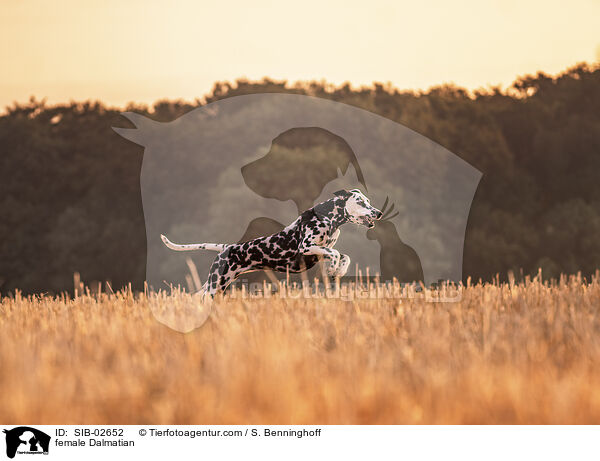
x=248, y=167
x=25, y=440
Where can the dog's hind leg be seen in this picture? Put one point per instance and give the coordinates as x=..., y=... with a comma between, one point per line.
x=222, y=272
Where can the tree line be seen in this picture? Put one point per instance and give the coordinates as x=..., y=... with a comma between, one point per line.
x=70, y=196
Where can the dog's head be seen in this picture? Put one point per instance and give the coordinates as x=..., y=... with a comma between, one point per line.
x=358, y=208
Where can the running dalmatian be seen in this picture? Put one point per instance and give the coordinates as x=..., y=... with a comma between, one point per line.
x=297, y=248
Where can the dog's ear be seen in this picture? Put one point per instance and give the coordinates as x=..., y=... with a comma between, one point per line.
x=342, y=193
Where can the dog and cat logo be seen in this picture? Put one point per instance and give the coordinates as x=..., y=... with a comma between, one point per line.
x=247, y=166
x=26, y=440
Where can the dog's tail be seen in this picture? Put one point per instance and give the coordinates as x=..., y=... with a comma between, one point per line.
x=193, y=246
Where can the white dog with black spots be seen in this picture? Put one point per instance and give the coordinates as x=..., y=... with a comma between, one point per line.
x=297, y=248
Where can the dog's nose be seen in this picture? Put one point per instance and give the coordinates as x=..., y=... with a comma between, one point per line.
x=378, y=214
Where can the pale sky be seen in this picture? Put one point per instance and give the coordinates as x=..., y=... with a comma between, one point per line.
x=143, y=50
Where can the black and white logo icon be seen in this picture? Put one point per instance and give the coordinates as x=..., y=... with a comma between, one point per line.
x=26, y=440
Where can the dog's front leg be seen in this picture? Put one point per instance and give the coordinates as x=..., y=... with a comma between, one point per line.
x=332, y=258
x=344, y=261
x=342, y=267
x=333, y=239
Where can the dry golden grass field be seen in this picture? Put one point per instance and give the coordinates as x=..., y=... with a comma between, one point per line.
x=525, y=353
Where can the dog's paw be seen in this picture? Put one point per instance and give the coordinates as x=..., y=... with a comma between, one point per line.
x=331, y=267
x=330, y=271
x=338, y=267
x=343, y=266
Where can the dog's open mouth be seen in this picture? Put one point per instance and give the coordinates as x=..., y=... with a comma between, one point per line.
x=369, y=222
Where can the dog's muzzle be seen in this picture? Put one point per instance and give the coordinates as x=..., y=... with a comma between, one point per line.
x=369, y=221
